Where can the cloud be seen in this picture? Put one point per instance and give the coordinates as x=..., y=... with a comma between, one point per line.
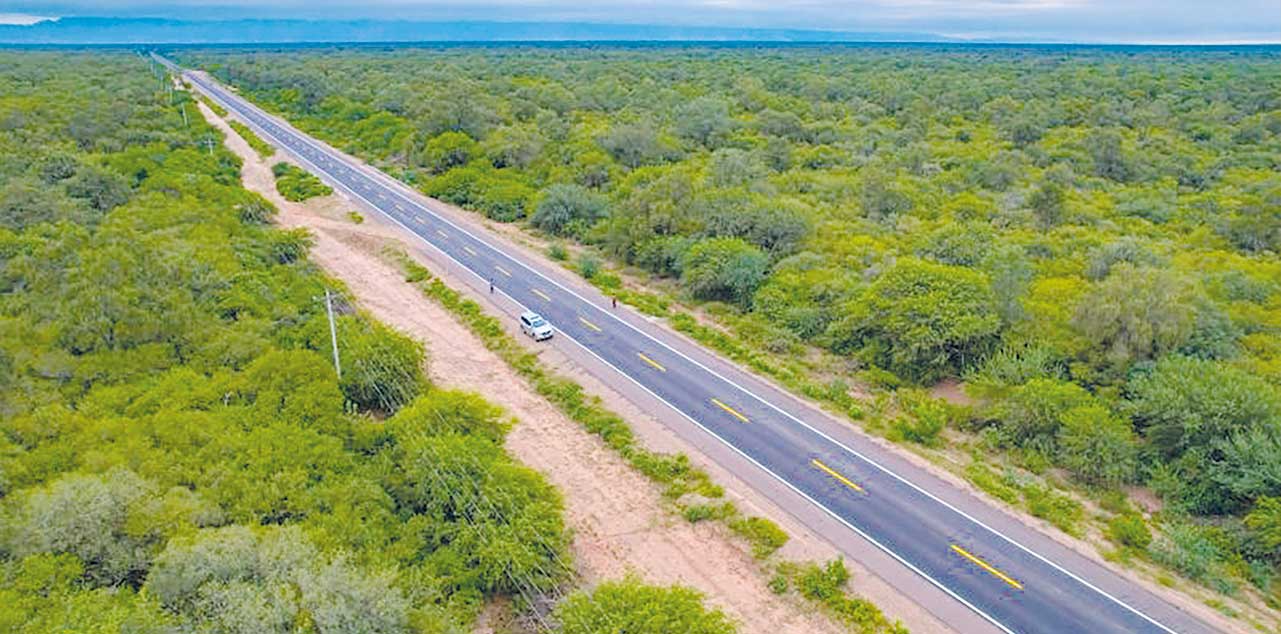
x=1074, y=20
x=22, y=19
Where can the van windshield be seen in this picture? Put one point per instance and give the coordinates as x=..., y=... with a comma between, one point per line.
x=536, y=321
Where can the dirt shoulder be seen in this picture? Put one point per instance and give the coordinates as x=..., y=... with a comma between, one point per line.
x=620, y=520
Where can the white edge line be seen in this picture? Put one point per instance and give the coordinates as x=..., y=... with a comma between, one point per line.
x=363, y=169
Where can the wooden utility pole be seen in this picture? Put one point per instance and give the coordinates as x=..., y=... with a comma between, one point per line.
x=333, y=332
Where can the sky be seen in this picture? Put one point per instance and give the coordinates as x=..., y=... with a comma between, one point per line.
x=1138, y=21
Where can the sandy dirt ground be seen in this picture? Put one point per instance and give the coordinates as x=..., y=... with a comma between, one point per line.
x=621, y=523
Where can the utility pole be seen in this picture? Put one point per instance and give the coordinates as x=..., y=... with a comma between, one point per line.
x=333, y=332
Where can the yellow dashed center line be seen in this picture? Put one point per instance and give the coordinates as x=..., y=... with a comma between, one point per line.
x=650, y=361
x=503, y=271
x=542, y=295
x=442, y=233
x=984, y=565
x=469, y=251
x=839, y=478
x=590, y=324
x=729, y=409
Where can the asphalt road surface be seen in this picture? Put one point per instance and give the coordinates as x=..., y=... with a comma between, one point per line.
x=1011, y=576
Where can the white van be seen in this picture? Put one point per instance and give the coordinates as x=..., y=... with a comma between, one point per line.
x=533, y=324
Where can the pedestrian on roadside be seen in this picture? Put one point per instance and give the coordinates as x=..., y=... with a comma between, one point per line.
x=491, y=286
x=614, y=300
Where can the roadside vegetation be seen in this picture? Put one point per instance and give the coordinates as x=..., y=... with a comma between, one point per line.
x=264, y=149
x=297, y=184
x=690, y=489
x=1087, y=239
x=177, y=452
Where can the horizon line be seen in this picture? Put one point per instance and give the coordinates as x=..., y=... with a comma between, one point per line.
x=26, y=21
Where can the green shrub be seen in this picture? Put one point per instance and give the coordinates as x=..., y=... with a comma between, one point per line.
x=994, y=485
x=588, y=266
x=1193, y=551
x=296, y=184
x=1130, y=531
x=923, y=417
x=726, y=269
x=699, y=512
x=382, y=369
x=632, y=607
x=217, y=109
x=920, y=320
x=504, y=200
x=567, y=209
x=1056, y=508
x=823, y=583
x=264, y=149
x=826, y=585
x=764, y=536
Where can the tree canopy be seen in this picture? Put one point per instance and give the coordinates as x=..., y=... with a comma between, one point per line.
x=177, y=452
x=1089, y=234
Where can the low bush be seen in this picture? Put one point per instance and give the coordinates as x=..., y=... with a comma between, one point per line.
x=764, y=536
x=264, y=149
x=296, y=184
x=1130, y=531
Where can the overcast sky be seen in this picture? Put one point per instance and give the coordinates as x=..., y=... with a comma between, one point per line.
x=1209, y=21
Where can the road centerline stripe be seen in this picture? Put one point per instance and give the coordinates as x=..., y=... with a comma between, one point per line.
x=732, y=412
x=541, y=294
x=986, y=566
x=442, y=234
x=651, y=362
x=469, y=251
x=589, y=324
x=503, y=271
x=835, y=474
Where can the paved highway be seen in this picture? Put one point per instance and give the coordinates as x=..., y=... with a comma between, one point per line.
x=999, y=573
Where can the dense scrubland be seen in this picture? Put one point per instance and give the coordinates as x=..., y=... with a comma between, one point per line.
x=178, y=452
x=1087, y=238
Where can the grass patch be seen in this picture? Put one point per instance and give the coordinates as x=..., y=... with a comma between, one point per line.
x=217, y=109
x=1195, y=552
x=695, y=513
x=1034, y=497
x=297, y=184
x=1056, y=508
x=764, y=536
x=825, y=585
x=264, y=149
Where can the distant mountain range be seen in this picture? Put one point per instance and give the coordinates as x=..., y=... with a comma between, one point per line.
x=89, y=30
